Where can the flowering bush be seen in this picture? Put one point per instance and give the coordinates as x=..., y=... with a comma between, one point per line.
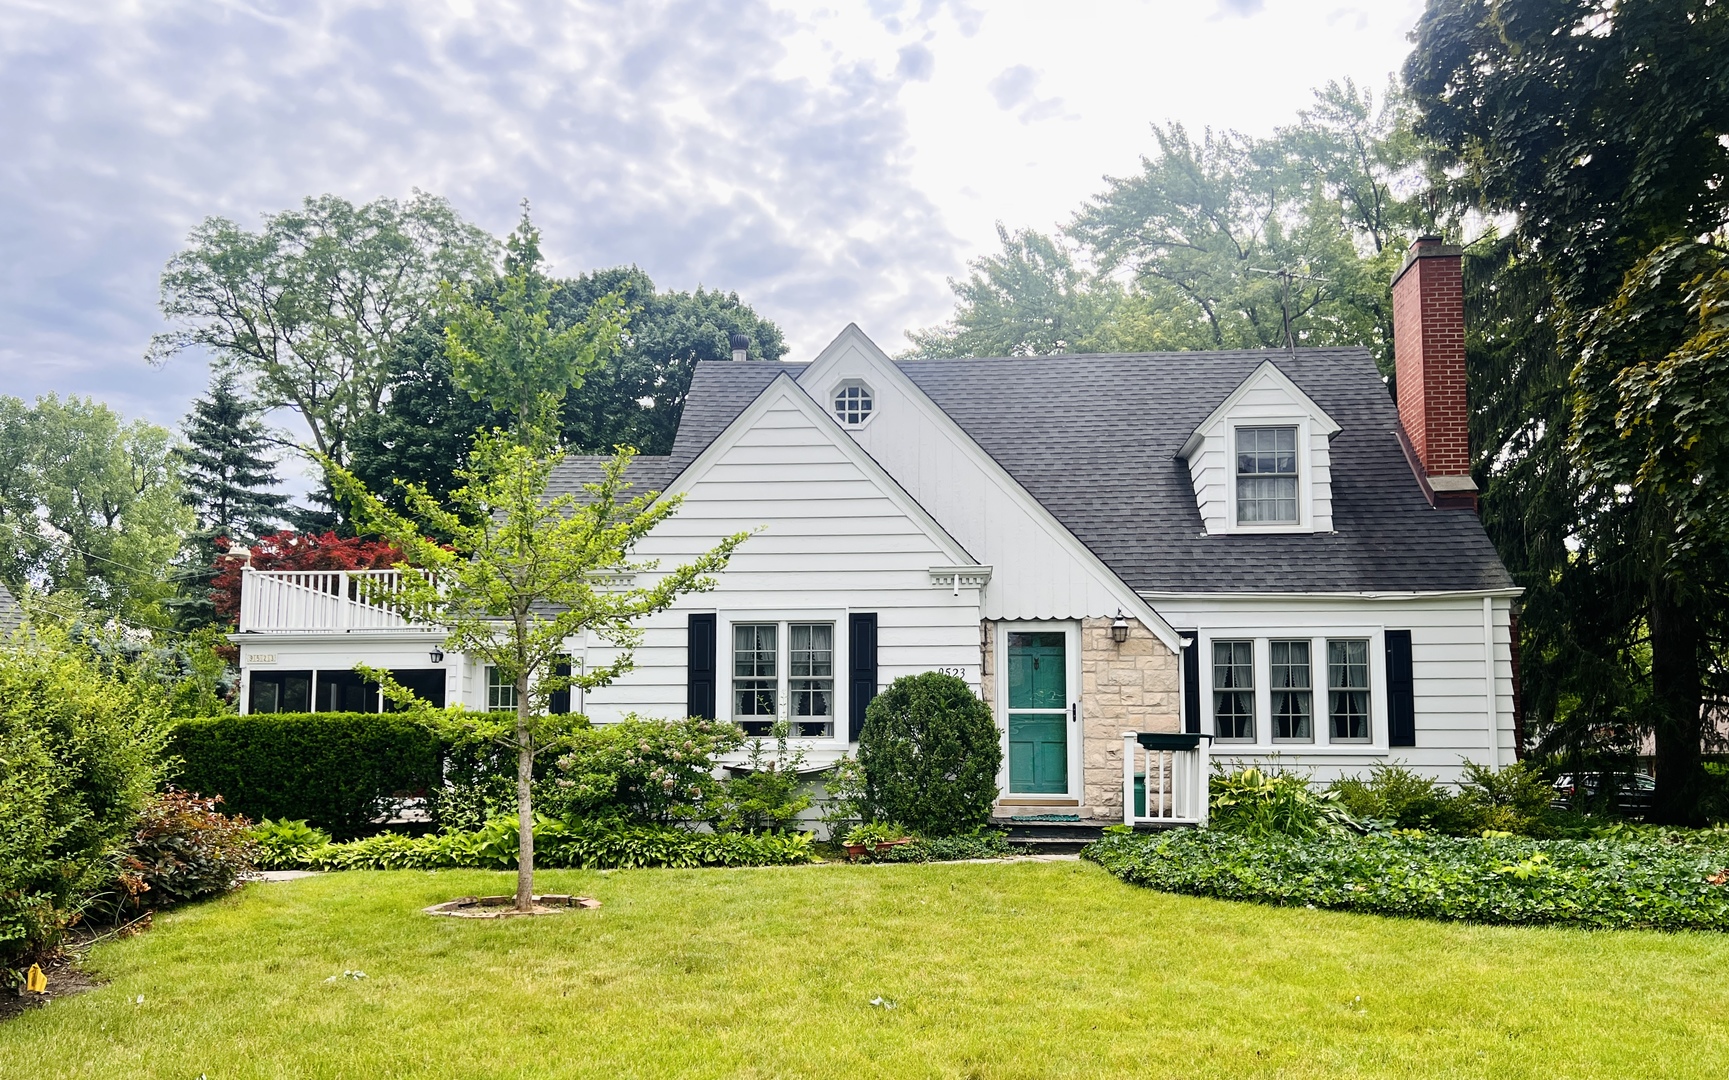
x=647, y=771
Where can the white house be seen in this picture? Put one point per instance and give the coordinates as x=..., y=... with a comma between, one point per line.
x=1259, y=548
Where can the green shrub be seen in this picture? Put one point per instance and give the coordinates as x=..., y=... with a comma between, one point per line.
x=875, y=832
x=769, y=794
x=1517, y=798
x=81, y=741
x=930, y=751
x=639, y=771
x=561, y=845
x=335, y=770
x=185, y=849
x=283, y=845
x=1596, y=883
x=1255, y=803
x=479, y=782
x=983, y=844
x=1399, y=798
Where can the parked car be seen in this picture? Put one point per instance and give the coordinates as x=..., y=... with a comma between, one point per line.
x=1631, y=793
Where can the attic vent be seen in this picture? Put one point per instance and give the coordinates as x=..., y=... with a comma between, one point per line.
x=852, y=403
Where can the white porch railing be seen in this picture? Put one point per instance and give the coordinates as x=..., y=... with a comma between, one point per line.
x=328, y=601
x=1164, y=778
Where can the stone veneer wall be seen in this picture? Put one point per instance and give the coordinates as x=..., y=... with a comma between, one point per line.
x=1129, y=687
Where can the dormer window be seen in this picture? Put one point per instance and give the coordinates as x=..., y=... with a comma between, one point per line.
x=1266, y=476
x=852, y=403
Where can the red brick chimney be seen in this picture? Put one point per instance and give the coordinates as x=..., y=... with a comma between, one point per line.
x=1429, y=351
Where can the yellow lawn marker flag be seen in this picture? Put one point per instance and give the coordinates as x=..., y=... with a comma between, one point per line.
x=35, y=981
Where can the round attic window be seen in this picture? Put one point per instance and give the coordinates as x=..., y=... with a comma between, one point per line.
x=852, y=403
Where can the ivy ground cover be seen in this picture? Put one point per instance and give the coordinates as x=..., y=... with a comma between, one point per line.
x=1007, y=970
x=1640, y=883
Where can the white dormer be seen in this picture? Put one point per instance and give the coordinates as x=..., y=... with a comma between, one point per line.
x=1260, y=462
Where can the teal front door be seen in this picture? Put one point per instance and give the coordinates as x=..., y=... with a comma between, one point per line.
x=1038, y=671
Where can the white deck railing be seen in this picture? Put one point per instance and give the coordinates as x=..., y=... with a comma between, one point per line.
x=1164, y=778
x=327, y=601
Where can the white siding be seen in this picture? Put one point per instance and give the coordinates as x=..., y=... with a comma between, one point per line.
x=833, y=539
x=1039, y=571
x=1264, y=398
x=1449, y=670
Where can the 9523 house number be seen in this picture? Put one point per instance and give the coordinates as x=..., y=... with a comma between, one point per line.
x=957, y=672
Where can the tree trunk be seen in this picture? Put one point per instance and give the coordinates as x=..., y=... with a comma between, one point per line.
x=524, y=802
x=1676, y=696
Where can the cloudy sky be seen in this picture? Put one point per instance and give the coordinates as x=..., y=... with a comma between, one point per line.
x=830, y=162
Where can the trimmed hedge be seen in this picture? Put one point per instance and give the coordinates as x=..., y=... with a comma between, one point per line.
x=930, y=751
x=1601, y=884
x=335, y=770
x=557, y=845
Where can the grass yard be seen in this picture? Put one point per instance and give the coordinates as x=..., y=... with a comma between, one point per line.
x=1012, y=970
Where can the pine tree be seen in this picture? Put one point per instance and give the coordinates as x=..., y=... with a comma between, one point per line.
x=226, y=479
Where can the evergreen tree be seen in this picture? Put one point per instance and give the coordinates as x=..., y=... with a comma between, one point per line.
x=226, y=480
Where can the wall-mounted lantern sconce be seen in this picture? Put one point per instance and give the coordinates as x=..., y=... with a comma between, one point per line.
x=1120, y=628
x=437, y=655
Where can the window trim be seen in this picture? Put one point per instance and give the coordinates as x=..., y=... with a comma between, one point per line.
x=869, y=392
x=487, y=672
x=1369, y=689
x=1273, y=689
x=1254, y=688
x=1305, y=475
x=783, y=618
x=1263, y=634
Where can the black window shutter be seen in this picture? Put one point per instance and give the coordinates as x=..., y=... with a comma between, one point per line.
x=1401, y=691
x=558, y=702
x=1191, y=682
x=699, y=661
x=862, y=678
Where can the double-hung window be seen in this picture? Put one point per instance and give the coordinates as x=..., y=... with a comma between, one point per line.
x=767, y=684
x=500, y=691
x=1292, y=697
x=1234, y=690
x=1348, y=690
x=1266, y=476
x=755, y=678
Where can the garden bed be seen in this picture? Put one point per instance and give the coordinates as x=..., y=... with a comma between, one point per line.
x=1601, y=884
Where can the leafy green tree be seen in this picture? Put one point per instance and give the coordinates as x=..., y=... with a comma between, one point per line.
x=89, y=505
x=520, y=577
x=311, y=309
x=635, y=396
x=506, y=349
x=1600, y=133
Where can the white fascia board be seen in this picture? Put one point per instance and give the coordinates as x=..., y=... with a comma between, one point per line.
x=288, y=637
x=785, y=389
x=1269, y=372
x=821, y=370
x=1439, y=594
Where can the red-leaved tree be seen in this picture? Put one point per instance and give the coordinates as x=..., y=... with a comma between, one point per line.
x=296, y=551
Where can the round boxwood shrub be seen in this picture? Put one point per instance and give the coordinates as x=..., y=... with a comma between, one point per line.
x=930, y=752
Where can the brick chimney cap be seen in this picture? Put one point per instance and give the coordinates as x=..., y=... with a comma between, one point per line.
x=1428, y=247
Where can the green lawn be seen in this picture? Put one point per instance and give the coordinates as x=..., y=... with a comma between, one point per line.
x=1009, y=970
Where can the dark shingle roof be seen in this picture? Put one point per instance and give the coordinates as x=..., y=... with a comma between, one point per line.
x=1095, y=439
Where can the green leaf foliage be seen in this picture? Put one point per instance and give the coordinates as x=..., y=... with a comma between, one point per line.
x=930, y=751
x=588, y=845
x=81, y=753
x=335, y=770
x=1600, y=884
x=639, y=771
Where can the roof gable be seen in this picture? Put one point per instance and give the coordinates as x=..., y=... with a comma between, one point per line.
x=1266, y=377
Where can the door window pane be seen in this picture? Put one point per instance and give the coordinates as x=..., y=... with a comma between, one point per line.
x=1038, y=695
x=1267, y=475
x=1038, y=671
x=755, y=678
x=1234, y=689
x=1288, y=676
x=810, y=674
x=1348, y=690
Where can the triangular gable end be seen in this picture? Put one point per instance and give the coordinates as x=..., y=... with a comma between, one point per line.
x=853, y=354
x=1267, y=373
x=784, y=390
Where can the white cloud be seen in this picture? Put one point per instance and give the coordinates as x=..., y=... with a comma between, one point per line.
x=829, y=163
